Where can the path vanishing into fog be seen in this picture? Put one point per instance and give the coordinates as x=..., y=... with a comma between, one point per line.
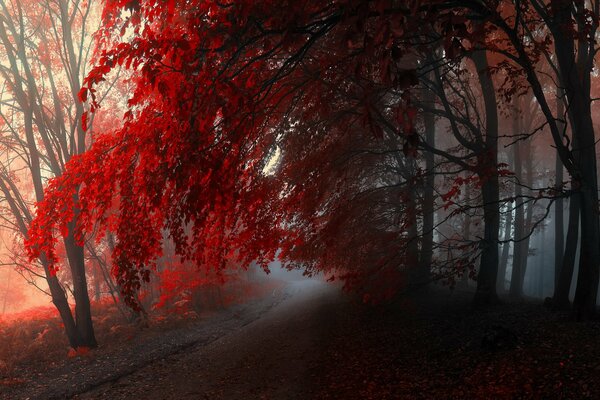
x=271, y=357
x=311, y=341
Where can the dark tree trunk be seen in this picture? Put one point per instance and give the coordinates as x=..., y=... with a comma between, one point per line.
x=488, y=269
x=505, y=251
x=584, y=303
x=562, y=289
x=516, y=278
x=559, y=227
x=59, y=299
x=541, y=265
x=466, y=236
x=526, y=149
x=559, y=223
x=508, y=223
x=412, y=249
x=83, y=313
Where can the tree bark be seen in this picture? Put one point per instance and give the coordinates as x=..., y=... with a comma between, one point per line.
x=528, y=181
x=516, y=278
x=508, y=224
x=559, y=226
x=488, y=167
x=505, y=251
x=562, y=289
x=559, y=223
x=428, y=196
x=466, y=236
x=83, y=313
x=412, y=248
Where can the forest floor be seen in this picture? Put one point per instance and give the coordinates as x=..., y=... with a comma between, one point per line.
x=310, y=341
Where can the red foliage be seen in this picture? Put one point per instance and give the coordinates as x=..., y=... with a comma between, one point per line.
x=217, y=88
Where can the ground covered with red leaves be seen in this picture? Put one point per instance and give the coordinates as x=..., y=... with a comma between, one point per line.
x=310, y=341
x=437, y=346
x=36, y=361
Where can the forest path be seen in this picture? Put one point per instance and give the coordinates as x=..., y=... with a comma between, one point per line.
x=269, y=358
x=310, y=341
x=69, y=377
x=320, y=344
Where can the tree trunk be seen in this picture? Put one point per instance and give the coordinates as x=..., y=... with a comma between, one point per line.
x=508, y=222
x=516, y=278
x=559, y=227
x=559, y=223
x=563, y=287
x=59, y=299
x=6, y=291
x=505, y=252
x=488, y=165
x=83, y=313
x=584, y=303
x=97, y=278
x=466, y=236
x=488, y=270
x=412, y=248
x=428, y=196
x=528, y=181
x=541, y=264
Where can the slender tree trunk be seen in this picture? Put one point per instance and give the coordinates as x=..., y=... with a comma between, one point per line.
x=412, y=249
x=59, y=299
x=466, y=235
x=508, y=222
x=562, y=289
x=96, y=276
x=516, y=278
x=505, y=252
x=541, y=264
x=529, y=214
x=428, y=196
x=6, y=289
x=559, y=227
x=83, y=313
x=488, y=270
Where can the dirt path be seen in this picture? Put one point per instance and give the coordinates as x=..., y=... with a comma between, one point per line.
x=265, y=359
x=74, y=376
x=310, y=341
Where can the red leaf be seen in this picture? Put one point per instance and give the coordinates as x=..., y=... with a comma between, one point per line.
x=83, y=94
x=84, y=120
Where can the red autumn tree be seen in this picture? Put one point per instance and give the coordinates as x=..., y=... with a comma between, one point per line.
x=45, y=47
x=213, y=87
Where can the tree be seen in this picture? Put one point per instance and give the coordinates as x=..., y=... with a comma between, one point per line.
x=46, y=48
x=222, y=98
